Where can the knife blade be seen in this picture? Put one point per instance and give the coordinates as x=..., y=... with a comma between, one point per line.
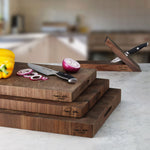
x=131, y=51
x=48, y=72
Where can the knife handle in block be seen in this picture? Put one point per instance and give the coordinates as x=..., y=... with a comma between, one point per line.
x=67, y=77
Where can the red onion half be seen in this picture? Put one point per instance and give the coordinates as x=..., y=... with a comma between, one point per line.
x=70, y=65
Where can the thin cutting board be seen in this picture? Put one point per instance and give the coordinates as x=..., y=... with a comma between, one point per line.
x=86, y=126
x=78, y=108
x=52, y=89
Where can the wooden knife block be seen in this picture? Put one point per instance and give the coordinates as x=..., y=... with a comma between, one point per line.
x=127, y=64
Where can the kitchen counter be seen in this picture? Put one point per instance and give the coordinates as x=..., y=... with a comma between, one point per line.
x=127, y=128
x=46, y=48
x=16, y=40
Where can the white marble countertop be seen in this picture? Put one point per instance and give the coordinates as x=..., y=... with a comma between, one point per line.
x=127, y=128
x=15, y=40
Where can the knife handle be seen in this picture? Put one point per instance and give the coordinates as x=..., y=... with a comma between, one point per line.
x=137, y=48
x=67, y=77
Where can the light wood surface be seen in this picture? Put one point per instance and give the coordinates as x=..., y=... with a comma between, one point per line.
x=49, y=49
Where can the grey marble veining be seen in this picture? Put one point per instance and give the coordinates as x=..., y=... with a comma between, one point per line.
x=127, y=128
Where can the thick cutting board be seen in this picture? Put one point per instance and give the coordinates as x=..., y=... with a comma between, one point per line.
x=78, y=108
x=86, y=126
x=52, y=89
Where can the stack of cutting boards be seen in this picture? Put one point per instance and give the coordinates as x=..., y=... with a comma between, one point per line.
x=55, y=105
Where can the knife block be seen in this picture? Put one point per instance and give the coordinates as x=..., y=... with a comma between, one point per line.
x=127, y=64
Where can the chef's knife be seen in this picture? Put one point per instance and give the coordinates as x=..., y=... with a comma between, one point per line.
x=48, y=72
x=131, y=51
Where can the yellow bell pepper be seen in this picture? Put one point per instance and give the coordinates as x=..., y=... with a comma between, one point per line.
x=7, y=61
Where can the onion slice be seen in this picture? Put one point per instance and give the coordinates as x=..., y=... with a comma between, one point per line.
x=31, y=74
x=70, y=65
x=28, y=73
x=35, y=77
x=24, y=72
x=44, y=78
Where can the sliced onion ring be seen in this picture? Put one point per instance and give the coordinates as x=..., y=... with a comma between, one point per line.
x=70, y=65
x=36, y=77
x=24, y=72
x=31, y=74
x=44, y=78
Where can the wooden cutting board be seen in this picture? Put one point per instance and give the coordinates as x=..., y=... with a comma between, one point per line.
x=86, y=126
x=78, y=108
x=52, y=89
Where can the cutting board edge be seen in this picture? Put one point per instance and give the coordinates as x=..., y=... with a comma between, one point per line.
x=11, y=92
x=87, y=83
x=77, y=111
x=85, y=129
x=109, y=110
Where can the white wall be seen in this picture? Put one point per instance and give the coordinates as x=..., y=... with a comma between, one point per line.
x=98, y=14
x=11, y=7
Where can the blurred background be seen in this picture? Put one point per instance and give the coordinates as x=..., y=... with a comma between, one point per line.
x=43, y=31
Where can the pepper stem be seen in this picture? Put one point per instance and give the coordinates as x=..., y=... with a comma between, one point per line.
x=3, y=69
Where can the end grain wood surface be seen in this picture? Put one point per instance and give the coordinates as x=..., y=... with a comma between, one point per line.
x=86, y=126
x=52, y=89
x=78, y=108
